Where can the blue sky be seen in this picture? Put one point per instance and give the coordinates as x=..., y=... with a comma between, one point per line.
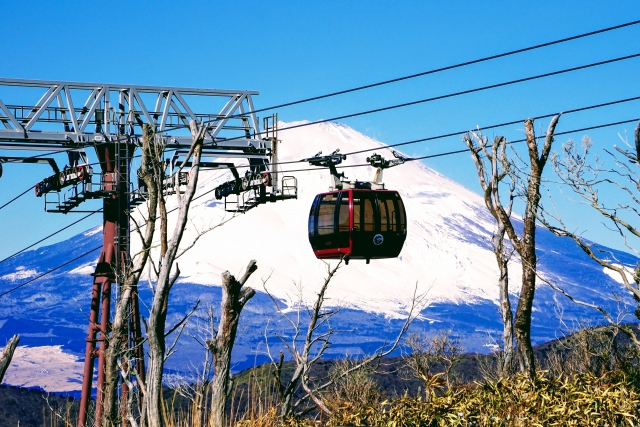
x=291, y=50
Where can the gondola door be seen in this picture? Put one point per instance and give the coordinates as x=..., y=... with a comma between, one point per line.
x=379, y=224
x=329, y=225
x=365, y=224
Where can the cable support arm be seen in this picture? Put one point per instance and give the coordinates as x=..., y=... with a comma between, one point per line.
x=330, y=162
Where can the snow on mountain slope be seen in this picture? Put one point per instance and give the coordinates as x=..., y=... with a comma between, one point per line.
x=46, y=367
x=446, y=251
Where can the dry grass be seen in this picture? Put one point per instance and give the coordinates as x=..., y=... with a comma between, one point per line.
x=580, y=400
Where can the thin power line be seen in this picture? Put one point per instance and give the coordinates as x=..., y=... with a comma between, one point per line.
x=50, y=235
x=449, y=95
x=464, y=92
x=17, y=197
x=513, y=122
x=451, y=67
x=49, y=272
x=460, y=132
x=447, y=68
x=448, y=153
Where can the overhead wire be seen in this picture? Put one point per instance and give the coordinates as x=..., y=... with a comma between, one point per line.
x=15, y=288
x=466, y=149
x=50, y=235
x=460, y=132
x=513, y=122
x=459, y=93
x=441, y=69
x=524, y=139
x=17, y=197
x=402, y=105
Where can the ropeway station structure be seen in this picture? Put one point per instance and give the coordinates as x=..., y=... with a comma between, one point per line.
x=47, y=118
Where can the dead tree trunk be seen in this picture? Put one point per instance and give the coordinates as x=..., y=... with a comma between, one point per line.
x=234, y=298
x=490, y=182
x=7, y=355
x=151, y=172
x=166, y=280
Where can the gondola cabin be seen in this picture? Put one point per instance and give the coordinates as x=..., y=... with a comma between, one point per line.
x=357, y=224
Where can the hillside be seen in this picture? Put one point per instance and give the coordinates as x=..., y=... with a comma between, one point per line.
x=32, y=407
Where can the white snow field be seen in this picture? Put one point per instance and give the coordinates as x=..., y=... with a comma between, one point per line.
x=446, y=252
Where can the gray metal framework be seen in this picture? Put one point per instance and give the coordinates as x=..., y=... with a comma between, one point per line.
x=88, y=113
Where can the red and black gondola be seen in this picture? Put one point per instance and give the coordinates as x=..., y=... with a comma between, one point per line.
x=357, y=224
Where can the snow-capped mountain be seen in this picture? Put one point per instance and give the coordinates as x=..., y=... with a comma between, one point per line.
x=447, y=255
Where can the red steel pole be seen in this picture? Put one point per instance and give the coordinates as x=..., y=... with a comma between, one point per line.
x=115, y=160
x=90, y=351
x=103, y=277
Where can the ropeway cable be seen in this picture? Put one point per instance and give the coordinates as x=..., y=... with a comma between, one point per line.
x=17, y=197
x=438, y=70
x=341, y=167
x=448, y=153
x=460, y=132
x=406, y=104
x=50, y=235
x=49, y=272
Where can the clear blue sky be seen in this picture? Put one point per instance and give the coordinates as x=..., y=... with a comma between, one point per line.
x=289, y=50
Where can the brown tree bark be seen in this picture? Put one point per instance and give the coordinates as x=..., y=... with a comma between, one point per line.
x=150, y=173
x=526, y=245
x=490, y=183
x=166, y=280
x=234, y=298
x=7, y=355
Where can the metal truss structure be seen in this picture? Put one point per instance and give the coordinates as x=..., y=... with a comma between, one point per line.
x=95, y=112
x=74, y=117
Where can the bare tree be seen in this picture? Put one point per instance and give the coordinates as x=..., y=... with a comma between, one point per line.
x=166, y=278
x=118, y=365
x=525, y=244
x=493, y=168
x=7, y=354
x=152, y=173
x=234, y=298
x=317, y=339
x=195, y=387
x=588, y=180
x=432, y=359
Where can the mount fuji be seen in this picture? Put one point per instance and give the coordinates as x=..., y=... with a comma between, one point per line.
x=447, y=256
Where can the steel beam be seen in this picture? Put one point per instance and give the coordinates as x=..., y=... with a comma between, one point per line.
x=230, y=113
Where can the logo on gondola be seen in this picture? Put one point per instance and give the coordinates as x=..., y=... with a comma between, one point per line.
x=378, y=239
